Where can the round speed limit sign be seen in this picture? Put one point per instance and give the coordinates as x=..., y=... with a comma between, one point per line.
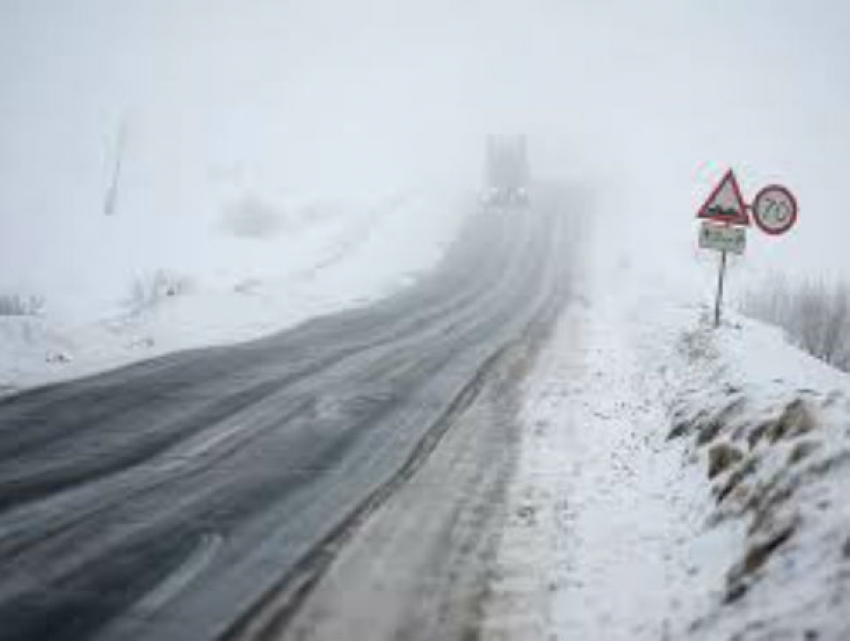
x=775, y=210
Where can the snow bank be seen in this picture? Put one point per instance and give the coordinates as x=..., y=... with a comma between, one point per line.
x=274, y=273
x=770, y=426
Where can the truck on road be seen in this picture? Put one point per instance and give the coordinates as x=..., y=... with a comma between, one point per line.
x=506, y=170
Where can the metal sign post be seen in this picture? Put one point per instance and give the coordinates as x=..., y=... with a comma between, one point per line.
x=726, y=239
x=718, y=301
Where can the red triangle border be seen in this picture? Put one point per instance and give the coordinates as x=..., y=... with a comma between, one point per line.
x=743, y=219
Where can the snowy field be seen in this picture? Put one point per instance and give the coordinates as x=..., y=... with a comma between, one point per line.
x=675, y=481
x=253, y=271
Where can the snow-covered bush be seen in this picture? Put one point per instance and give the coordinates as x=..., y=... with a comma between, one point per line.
x=151, y=290
x=17, y=305
x=251, y=218
x=815, y=315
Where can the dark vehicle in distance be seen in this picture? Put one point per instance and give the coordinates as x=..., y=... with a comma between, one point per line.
x=506, y=170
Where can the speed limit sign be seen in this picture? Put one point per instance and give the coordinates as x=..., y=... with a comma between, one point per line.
x=775, y=210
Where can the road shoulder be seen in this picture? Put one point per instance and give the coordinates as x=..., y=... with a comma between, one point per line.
x=602, y=514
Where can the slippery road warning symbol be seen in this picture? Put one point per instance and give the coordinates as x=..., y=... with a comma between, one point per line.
x=726, y=204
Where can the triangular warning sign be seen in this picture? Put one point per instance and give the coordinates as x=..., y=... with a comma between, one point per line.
x=726, y=204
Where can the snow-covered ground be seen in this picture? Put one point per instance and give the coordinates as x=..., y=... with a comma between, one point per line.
x=254, y=271
x=770, y=427
x=616, y=529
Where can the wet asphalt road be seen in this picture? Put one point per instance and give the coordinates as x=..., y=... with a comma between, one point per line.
x=161, y=501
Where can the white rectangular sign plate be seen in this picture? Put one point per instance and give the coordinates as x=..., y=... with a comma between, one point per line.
x=723, y=238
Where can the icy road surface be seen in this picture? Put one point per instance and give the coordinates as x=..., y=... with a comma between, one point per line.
x=166, y=500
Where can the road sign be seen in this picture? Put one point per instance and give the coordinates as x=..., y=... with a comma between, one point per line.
x=775, y=210
x=726, y=204
x=723, y=238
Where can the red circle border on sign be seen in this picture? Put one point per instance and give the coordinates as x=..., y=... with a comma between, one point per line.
x=791, y=221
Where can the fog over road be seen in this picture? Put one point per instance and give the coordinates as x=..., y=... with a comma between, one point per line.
x=165, y=500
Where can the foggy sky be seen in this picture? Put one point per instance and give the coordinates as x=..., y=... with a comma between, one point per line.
x=647, y=102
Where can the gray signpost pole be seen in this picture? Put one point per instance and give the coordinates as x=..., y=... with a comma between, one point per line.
x=718, y=303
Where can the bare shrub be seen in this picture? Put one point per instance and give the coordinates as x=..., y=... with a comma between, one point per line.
x=721, y=457
x=151, y=290
x=815, y=315
x=17, y=305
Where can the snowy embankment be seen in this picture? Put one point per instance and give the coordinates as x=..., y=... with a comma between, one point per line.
x=251, y=274
x=771, y=427
x=676, y=482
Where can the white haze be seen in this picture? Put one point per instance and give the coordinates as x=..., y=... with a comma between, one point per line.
x=646, y=102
